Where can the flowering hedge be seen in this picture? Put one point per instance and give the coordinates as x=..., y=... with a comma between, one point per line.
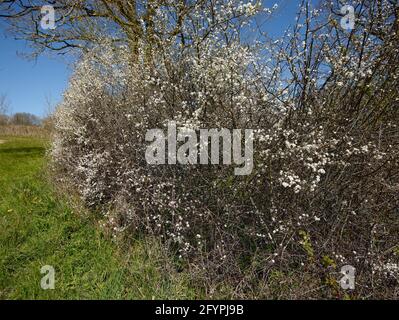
x=324, y=190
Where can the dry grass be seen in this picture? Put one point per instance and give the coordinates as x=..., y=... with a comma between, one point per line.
x=24, y=131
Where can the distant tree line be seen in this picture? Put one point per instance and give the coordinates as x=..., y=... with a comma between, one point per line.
x=19, y=118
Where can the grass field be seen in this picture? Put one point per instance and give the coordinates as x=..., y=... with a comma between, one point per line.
x=39, y=228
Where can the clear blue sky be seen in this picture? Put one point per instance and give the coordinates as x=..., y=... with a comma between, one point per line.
x=28, y=83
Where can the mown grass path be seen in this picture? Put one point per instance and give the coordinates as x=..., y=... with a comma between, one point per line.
x=37, y=228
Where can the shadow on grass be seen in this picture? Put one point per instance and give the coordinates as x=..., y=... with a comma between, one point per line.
x=26, y=150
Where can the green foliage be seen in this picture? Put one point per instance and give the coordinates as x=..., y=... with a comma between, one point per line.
x=328, y=262
x=306, y=244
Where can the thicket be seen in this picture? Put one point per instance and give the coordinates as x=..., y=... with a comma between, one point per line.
x=323, y=103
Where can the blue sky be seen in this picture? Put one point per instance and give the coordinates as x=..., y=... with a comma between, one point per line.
x=28, y=83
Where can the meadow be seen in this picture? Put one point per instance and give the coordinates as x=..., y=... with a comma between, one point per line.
x=38, y=227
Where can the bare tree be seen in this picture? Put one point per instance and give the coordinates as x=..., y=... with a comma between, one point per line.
x=4, y=109
x=136, y=23
x=4, y=104
x=79, y=22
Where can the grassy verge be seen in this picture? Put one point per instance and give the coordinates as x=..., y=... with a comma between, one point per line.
x=37, y=228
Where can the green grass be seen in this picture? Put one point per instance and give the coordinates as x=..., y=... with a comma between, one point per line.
x=39, y=228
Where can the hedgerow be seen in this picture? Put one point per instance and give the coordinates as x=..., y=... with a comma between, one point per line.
x=323, y=104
